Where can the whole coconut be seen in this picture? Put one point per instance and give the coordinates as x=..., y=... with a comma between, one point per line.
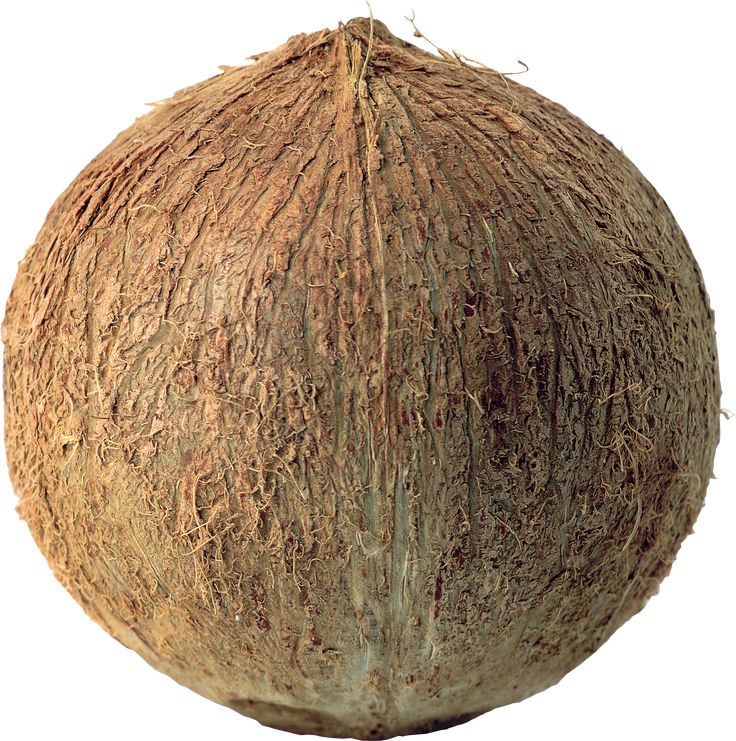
x=360, y=389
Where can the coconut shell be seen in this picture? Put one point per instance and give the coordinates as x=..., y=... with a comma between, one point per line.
x=360, y=389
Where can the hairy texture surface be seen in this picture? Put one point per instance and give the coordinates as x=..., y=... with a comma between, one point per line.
x=359, y=389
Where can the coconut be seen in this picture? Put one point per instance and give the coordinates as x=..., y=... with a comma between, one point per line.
x=360, y=389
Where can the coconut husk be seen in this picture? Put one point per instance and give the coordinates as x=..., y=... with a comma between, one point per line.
x=361, y=389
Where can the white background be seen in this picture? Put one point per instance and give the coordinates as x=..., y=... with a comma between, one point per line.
x=657, y=78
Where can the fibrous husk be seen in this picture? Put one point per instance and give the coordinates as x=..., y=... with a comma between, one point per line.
x=360, y=389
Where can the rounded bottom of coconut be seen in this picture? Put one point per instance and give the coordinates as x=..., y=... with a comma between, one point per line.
x=309, y=721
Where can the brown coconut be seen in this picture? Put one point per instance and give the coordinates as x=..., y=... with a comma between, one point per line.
x=360, y=389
